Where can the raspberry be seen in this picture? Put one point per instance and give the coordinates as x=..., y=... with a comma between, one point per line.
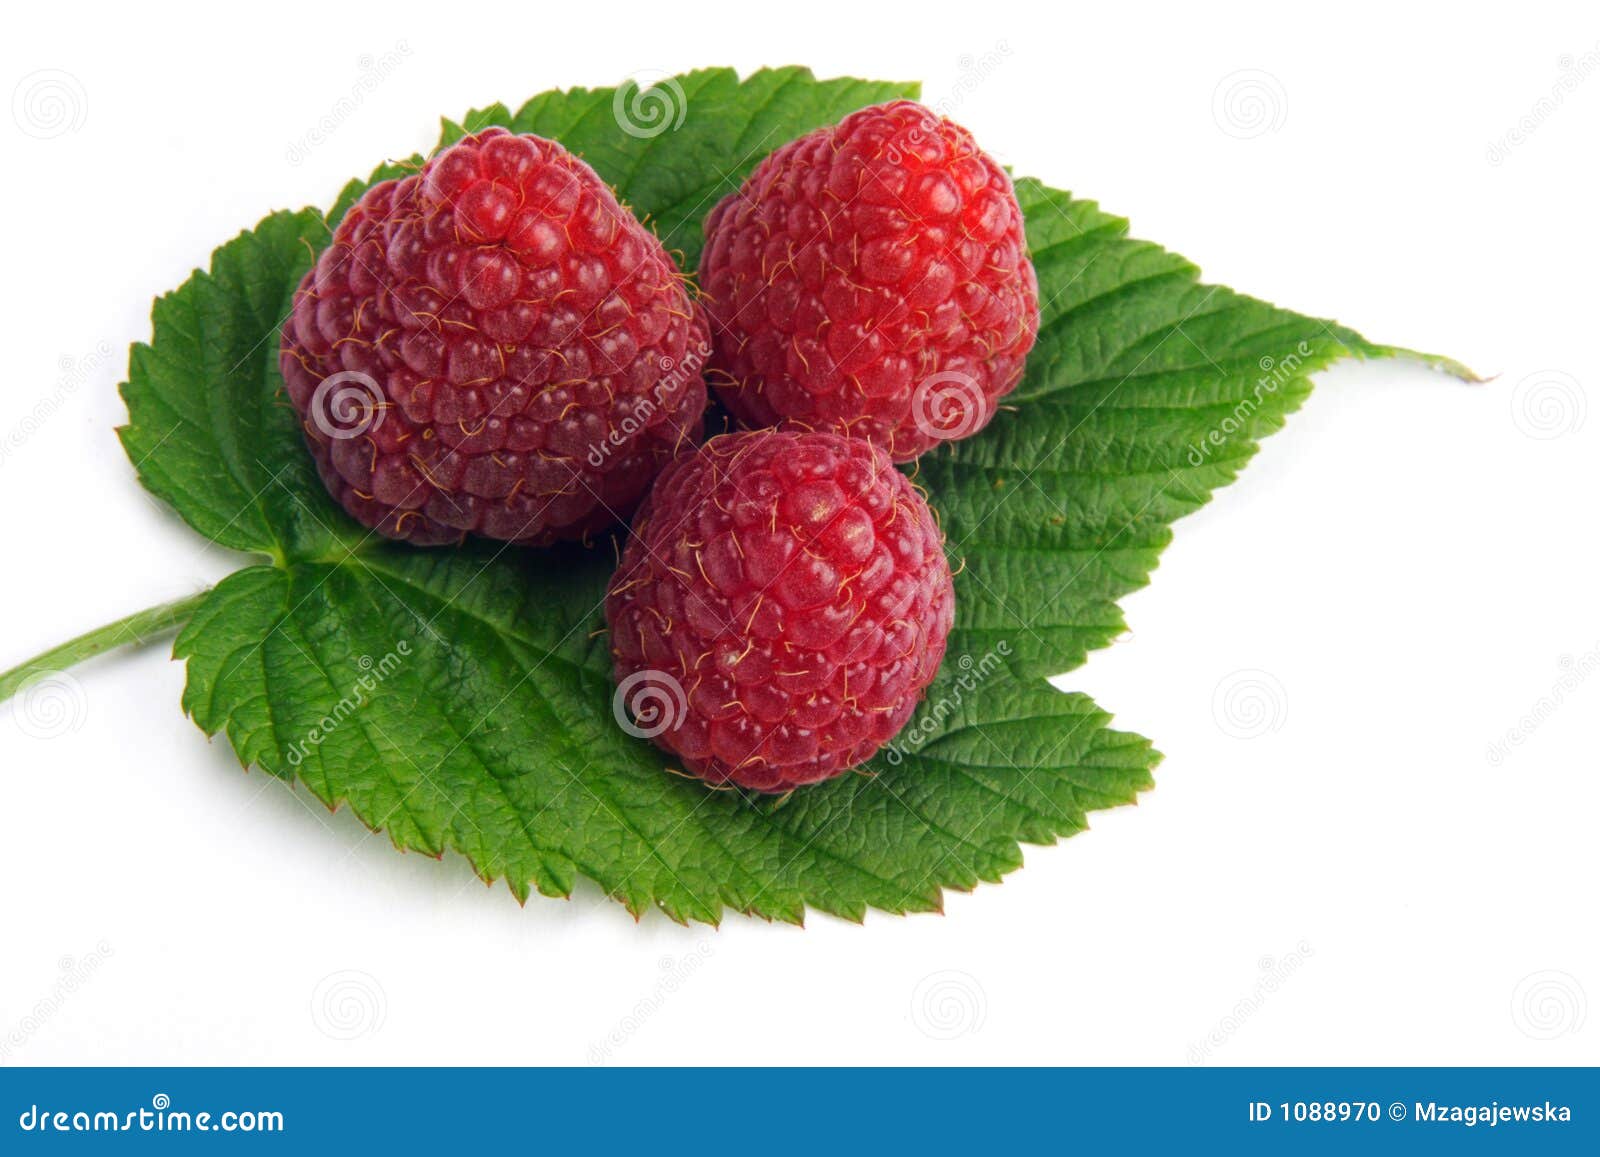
x=782, y=604
x=872, y=278
x=494, y=346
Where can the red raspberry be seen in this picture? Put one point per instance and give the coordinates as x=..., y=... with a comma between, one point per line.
x=872, y=278
x=494, y=345
x=781, y=606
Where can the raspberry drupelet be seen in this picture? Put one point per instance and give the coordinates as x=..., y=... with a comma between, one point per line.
x=872, y=278
x=495, y=346
x=782, y=605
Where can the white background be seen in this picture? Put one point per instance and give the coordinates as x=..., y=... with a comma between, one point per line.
x=1344, y=876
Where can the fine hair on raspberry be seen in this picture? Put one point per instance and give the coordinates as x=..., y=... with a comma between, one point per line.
x=872, y=278
x=782, y=604
x=494, y=345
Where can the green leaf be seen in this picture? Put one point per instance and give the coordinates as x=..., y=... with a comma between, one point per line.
x=462, y=700
x=209, y=429
x=1147, y=391
x=672, y=176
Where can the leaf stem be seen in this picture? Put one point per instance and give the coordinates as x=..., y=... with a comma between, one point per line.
x=133, y=631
